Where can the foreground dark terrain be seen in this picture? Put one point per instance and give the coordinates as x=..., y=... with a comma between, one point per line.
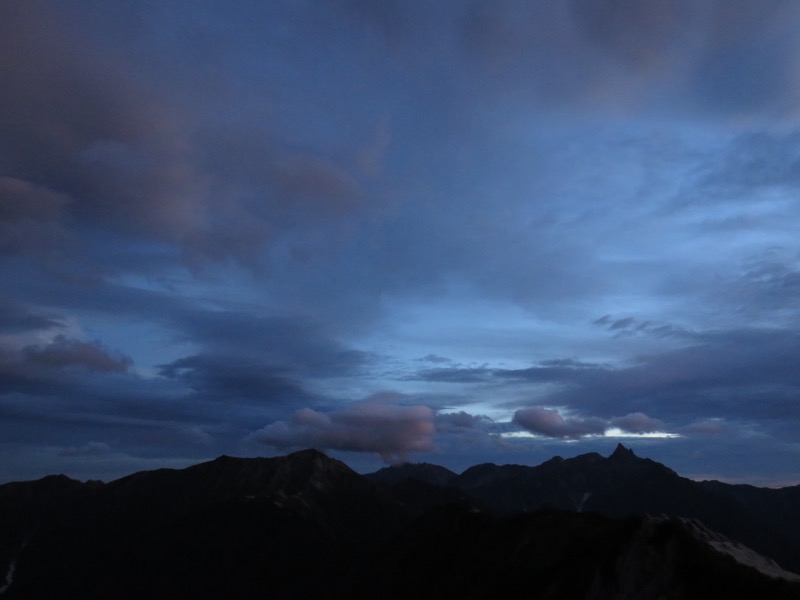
x=306, y=526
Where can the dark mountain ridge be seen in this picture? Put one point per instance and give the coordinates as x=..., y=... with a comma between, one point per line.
x=625, y=485
x=305, y=525
x=425, y=472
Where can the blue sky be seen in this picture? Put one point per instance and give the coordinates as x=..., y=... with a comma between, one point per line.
x=453, y=232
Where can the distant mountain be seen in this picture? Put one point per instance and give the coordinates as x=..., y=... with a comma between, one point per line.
x=307, y=526
x=625, y=485
x=226, y=528
x=424, y=472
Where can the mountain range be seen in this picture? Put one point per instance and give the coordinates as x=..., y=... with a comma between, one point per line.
x=307, y=526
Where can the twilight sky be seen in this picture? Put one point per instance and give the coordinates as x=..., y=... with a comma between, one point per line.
x=453, y=232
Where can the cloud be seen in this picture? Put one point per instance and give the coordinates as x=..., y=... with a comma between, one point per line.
x=434, y=358
x=30, y=219
x=553, y=370
x=391, y=430
x=460, y=420
x=622, y=323
x=75, y=126
x=265, y=235
x=22, y=200
x=173, y=437
x=64, y=369
x=256, y=357
x=708, y=428
x=746, y=375
x=636, y=35
x=65, y=353
x=631, y=326
x=265, y=193
x=65, y=95
x=15, y=318
x=454, y=374
x=755, y=161
x=548, y=422
x=711, y=57
x=637, y=422
x=89, y=449
x=746, y=62
x=97, y=140
x=235, y=377
x=771, y=282
x=294, y=344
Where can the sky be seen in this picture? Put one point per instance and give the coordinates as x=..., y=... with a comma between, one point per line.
x=454, y=232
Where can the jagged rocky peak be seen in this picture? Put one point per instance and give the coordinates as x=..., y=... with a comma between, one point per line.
x=621, y=452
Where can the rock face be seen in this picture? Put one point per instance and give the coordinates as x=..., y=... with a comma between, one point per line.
x=305, y=525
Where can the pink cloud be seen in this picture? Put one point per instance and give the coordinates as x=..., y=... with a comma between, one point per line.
x=548, y=422
x=390, y=430
x=638, y=422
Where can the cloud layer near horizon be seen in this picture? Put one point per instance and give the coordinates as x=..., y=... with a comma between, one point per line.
x=394, y=431
x=525, y=228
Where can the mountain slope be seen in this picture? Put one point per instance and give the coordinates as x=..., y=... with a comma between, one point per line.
x=229, y=527
x=625, y=485
x=305, y=525
x=458, y=552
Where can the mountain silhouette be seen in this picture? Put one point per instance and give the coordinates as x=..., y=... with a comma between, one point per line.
x=305, y=525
